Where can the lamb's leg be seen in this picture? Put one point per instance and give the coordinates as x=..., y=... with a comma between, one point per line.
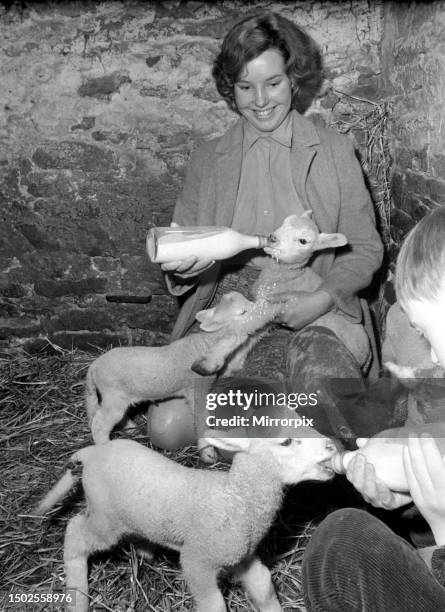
x=80, y=541
x=202, y=582
x=195, y=398
x=256, y=579
x=236, y=362
x=111, y=411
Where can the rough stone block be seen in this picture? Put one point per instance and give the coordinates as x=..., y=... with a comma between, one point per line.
x=438, y=164
x=414, y=207
x=100, y=87
x=14, y=290
x=73, y=155
x=86, y=123
x=141, y=275
x=82, y=319
x=110, y=136
x=401, y=223
x=58, y=288
x=418, y=183
x=156, y=316
x=18, y=326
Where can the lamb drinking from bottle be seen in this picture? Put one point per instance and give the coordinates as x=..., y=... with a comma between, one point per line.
x=291, y=247
x=214, y=519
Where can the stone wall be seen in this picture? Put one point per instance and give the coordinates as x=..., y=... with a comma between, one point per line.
x=102, y=103
x=413, y=52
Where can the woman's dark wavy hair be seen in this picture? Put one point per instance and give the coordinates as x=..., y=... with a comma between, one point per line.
x=255, y=34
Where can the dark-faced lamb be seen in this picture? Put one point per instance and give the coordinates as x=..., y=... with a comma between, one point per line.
x=214, y=519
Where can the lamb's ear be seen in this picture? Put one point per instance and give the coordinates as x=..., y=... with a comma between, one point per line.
x=218, y=439
x=207, y=321
x=237, y=304
x=330, y=241
x=231, y=305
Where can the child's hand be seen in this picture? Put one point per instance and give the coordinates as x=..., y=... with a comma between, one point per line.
x=362, y=475
x=425, y=472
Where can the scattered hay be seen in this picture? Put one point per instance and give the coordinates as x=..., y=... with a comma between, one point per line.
x=42, y=422
x=368, y=122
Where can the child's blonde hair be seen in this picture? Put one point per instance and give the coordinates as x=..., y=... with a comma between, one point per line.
x=420, y=270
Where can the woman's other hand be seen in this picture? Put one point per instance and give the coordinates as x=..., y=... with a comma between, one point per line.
x=362, y=475
x=299, y=308
x=425, y=472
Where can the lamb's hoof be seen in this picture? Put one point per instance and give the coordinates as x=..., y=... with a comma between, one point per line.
x=208, y=454
x=146, y=553
x=130, y=425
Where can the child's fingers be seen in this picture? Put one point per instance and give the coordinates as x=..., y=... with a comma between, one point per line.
x=413, y=484
x=433, y=457
x=417, y=461
x=424, y=467
x=361, y=442
x=362, y=475
x=434, y=462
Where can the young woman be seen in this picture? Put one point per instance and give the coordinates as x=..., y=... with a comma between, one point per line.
x=271, y=163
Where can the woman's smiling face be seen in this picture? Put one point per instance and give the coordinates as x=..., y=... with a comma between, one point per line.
x=263, y=92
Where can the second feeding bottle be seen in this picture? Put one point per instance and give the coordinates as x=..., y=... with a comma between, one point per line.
x=385, y=452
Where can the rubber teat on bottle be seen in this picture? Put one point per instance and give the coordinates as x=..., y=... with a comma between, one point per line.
x=337, y=463
x=263, y=241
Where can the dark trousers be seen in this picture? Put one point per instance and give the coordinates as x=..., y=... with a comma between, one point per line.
x=355, y=563
x=348, y=406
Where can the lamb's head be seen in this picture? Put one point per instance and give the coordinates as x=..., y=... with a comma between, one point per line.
x=298, y=238
x=233, y=308
x=304, y=457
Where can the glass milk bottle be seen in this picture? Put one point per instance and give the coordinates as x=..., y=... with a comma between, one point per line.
x=165, y=244
x=385, y=452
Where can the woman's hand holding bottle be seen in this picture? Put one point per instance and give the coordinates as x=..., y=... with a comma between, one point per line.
x=188, y=267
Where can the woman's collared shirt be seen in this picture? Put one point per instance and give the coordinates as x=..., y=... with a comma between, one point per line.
x=266, y=193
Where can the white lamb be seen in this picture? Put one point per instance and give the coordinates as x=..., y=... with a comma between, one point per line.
x=296, y=240
x=214, y=519
x=125, y=376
